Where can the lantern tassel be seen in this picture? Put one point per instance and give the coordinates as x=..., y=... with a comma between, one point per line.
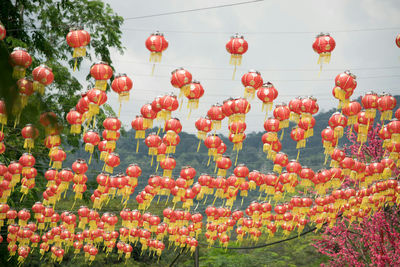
x=234, y=72
x=198, y=146
x=137, y=146
x=76, y=63
x=237, y=155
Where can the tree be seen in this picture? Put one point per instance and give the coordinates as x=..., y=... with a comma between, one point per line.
x=374, y=240
x=41, y=27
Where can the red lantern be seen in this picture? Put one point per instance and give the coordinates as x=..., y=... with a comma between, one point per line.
x=75, y=119
x=271, y=125
x=2, y=32
x=96, y=98
x=3, y=113
x=252, y=81
x=174, y=125
x=181, y=79
x=25, y=89
x=168, y=104
x=295, y=109
x=216, y=115
x=280, y=161
x=57, y=155
x=236, y=46
x=111, y=162
x=307, y=124
x=29, y=133
x=386, y=103
x=138, y=126
x=351, y=111
x=91, y=139
x=42, y=76
x=267, y=94
x=122, y=84
x=112, y=125
x=78, y=39
x=240, y=108
x=345, y=83
x=20, y=60
x=308, y=107
x=338, y=122
x=148, y=115
x=223, y=163
x=237, y=140
x=298, y=135
x=370, y=103
x=282, y=113
x=212, y=142
x=196, y=91
x=168, y=165
x=324, y=45
x=203, y=126
x=398, y=40
x=394, y=129
x=101, y=72
x=156, y=44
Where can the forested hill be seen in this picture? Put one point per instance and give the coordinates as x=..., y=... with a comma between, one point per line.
x=186, y=152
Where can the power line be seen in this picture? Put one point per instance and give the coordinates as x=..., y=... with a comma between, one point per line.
x=193, y=10
x=261, y=70
x=265, y=32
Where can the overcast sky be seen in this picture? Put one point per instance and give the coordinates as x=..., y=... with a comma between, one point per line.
x=280, y=35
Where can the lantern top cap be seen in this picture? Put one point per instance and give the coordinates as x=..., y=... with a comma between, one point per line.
x=19, y=48
x=268, y=84
x=254, y=71
x=157, y=33
x=351, y=74
x=237, y=35
x=177, y=69
x=121, y=75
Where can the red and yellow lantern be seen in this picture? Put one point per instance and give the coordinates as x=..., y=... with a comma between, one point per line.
x=251, y=81
x=78, y=39
x=42, y=76
x=236, y=46
x=20, y=60
x=323, y=45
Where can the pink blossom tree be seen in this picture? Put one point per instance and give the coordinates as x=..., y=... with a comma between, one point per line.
x=374, y=240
